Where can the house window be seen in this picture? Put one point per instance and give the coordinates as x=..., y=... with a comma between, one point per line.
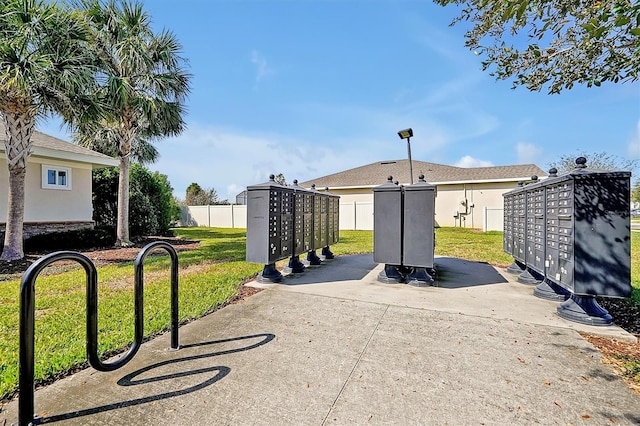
x=55, y=177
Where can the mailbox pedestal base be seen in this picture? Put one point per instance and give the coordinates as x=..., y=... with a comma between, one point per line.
x=526, y=277
x=419, y=277
x=313, y=258
x=390, y=275
x=551, y=291
x=515, y=268
x=585, y=310
x=326, y=252
x=269, y=274
x=295, y=265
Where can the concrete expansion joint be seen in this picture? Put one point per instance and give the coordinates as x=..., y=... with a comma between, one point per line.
x=355, y=365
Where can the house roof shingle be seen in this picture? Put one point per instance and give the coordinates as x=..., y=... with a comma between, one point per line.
x=44, y=145
x=376, y=174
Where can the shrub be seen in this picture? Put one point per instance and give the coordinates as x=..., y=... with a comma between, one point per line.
x=80, y=239
x=152, y=207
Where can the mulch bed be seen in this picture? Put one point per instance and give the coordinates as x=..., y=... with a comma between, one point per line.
x=100, y=256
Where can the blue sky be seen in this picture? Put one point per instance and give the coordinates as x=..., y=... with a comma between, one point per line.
x=313, y=87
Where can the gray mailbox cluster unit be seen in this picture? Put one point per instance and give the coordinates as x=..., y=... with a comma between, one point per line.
x=289, y=221
x=570, y=235
x=403, y=232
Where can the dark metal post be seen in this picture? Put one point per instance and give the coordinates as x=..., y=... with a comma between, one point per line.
x=27, y=325
x=410, y=164
x=139, y=277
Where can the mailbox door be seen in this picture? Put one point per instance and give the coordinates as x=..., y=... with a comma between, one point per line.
x=259, y=226
x=308, y=221
x=419, y=219
x=286, y=223
x=324, y=220
x=519, y=219
x=317, y=222
x=507, y=243
x=298, y=243
x=602, y=251
x=387, y=225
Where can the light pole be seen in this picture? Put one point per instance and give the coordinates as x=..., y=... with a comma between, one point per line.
x=406, y=134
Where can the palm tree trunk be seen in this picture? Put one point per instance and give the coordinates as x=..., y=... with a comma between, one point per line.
x=13, y=244
x=122, y=230
x=19, y=128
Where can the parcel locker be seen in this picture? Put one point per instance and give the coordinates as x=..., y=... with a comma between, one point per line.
x=419, y=224
x=387, y=223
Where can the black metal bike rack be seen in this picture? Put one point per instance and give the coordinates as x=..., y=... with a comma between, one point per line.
x=27, y=318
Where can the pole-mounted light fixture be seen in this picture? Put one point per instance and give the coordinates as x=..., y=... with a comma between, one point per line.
x=407, y=134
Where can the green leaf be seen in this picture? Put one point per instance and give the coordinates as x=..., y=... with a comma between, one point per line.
x=635, y=31
x=599, y=32
x=622, y=20
x=588, y=27
x=521, y=10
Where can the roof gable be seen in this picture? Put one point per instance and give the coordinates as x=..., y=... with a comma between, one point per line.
x=47, y=146
x=376, y=174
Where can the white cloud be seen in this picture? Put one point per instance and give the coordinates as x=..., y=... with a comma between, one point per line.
x=228, y=160
x=528, y=153
x=262, y=67
x=633, y=148
x=469, y=161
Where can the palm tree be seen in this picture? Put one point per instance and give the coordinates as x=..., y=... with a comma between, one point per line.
x=45, y=67
x=142, y=85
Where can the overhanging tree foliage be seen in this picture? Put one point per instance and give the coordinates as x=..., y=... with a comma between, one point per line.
x=554, y=43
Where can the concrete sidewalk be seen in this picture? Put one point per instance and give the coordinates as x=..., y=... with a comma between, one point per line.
x=334, y=346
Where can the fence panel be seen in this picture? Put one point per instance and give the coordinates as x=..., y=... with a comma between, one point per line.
x=353, y=216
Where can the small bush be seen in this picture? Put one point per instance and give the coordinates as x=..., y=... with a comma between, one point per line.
x=71, y=240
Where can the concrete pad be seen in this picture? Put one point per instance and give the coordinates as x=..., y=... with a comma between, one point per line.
x=425, y=367
x=322, y=351
x=461, y=286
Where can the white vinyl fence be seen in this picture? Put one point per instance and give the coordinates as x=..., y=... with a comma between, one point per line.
x=229, y=216
x=356, y=215
x=353, y=216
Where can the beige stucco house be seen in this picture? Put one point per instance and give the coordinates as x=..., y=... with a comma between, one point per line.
x=57, y=184
x=466, y=197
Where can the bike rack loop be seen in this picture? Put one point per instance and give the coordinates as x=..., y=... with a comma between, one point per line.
x=27, y=318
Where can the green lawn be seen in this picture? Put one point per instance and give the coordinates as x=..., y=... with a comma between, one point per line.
x=209, y=276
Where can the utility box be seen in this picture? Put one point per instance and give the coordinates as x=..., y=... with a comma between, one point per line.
x=270, y=225
x=576, y=236
x=387, y=223
x=419, y=224
x=588, y=250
